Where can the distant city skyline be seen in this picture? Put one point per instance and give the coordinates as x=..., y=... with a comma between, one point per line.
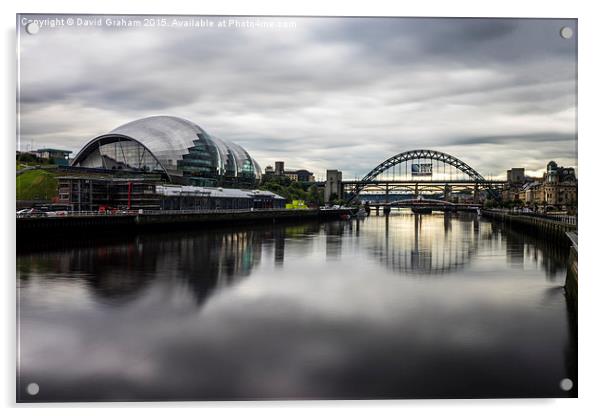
x=317, y=93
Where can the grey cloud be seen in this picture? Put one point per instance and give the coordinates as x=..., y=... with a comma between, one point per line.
x=521, y=138
x=333, y=93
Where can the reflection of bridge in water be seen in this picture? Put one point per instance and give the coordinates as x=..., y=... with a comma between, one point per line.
x=425, y=244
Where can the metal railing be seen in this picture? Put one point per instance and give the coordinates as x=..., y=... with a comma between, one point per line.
x=207, y=211
x=559, y=217
x=125, y=213
x=563, y=218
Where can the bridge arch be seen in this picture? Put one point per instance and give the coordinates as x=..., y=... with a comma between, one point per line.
x=416, y=155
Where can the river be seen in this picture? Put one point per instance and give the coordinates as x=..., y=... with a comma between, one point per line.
x=405, y=306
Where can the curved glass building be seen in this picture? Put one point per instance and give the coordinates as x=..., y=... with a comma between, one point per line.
x=172, y=146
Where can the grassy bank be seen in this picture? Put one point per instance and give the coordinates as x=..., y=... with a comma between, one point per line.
x=36, y=184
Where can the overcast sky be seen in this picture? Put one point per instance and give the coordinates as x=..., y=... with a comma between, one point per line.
x=322, y=93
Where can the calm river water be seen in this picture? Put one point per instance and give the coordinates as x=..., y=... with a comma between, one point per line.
x=410, y=306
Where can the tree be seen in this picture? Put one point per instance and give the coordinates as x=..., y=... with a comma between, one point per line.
x=280, y=180
x=297, y=192
x=26, y=158
x=314, y=196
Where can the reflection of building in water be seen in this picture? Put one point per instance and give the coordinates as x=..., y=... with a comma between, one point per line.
x=114, y=272
x=515, y=250
x=334, y=232
x=522, y=247
x=119, y=271
x=279, y=245
x=206, y=261
x=276, y=238
x=201, y=261
x=425, y=244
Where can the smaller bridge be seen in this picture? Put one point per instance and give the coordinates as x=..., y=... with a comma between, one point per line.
x=425, y=205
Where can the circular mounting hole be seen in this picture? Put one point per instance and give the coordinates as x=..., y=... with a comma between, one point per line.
x=33, y=389
x=32, y=28
x=566, y=384
x=566, y=32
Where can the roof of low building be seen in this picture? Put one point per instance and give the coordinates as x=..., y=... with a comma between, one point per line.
x=178, y=190
x=54, y=150
x=261, y=192
x=530, y=185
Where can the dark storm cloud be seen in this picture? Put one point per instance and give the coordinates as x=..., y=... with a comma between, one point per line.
x=523, y=138
x=461, y=41
x=331, y=93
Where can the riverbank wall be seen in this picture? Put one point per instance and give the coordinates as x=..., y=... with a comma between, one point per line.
x=61, y=225
x=538, y=226
x=571, y=282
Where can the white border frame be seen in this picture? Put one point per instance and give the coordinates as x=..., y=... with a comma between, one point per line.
x=589, y=132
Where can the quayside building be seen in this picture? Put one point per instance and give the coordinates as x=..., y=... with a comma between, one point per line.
x=165, y=163
x=99, y=193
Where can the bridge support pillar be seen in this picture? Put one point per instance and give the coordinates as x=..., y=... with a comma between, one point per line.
x=475, y=196
x=446, y=192
x=416, y=193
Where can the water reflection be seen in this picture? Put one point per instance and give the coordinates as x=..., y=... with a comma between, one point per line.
x=425, y=244
x=202, y=260
x=443, y=243
x=299, y=311
x=334, y=238
x=523, y=249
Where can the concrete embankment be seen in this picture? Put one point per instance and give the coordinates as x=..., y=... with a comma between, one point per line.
x=571, y=282
x=157, y=220
x=538, y=226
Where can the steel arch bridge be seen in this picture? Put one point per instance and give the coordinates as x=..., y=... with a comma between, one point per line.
x=474, y=181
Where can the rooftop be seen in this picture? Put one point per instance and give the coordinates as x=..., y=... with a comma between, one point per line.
x=177, y=190
x=54, y=150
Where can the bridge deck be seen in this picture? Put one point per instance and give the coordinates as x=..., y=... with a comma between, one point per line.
x=426, y=182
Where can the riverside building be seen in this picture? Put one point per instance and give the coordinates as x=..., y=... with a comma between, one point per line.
x=178, y=149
